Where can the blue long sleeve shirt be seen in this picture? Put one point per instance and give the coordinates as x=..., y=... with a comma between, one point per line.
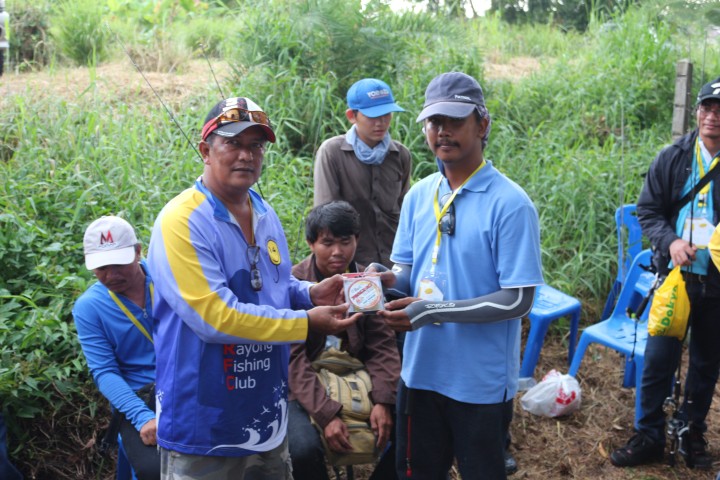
x=120, y=357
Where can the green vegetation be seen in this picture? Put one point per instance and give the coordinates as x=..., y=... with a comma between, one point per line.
x=577, y=133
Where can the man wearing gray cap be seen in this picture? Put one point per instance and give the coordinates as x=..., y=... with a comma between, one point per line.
x=114, y=322
x=467, y=251
x=678, y=216
x=227, y=310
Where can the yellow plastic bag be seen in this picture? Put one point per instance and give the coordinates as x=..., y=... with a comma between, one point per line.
x=670, y=308
x=714, y=247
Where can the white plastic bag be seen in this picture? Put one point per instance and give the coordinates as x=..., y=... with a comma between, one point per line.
x=556, y=395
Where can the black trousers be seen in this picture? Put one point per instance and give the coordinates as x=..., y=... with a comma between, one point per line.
x=144, y=459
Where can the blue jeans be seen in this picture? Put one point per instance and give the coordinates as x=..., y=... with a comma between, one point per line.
x=308, y=455
x=7, y=469
x=437, y=428
x=662, y=355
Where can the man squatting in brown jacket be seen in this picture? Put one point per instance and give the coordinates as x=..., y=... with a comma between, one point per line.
x=332, y=231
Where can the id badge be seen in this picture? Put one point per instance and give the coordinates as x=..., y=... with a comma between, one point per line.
x=432, y=286
x=701, y=229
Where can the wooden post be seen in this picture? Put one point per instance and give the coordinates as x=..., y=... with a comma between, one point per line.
x=683, y=103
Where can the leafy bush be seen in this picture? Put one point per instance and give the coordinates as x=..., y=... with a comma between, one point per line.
x=29, y=46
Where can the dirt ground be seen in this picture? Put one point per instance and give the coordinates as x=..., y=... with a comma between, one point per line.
x=120, y=79
x=576, y=447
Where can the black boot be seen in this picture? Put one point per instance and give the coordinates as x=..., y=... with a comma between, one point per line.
x=639, y=450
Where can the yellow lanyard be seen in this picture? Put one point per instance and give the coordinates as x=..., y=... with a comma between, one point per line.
x=129, y=314
x=701, y=166
x=439, y=213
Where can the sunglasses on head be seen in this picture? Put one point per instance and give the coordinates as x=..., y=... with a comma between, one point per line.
x=235, y=114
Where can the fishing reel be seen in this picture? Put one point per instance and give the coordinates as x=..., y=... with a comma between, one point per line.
x=675, y=427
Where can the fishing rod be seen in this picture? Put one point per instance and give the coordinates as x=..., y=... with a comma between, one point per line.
x=677, y=429
x=157, y=95
x=202, y=47
x=223, y=97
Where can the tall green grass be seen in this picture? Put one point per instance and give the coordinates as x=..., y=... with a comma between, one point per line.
x=77, y=27
x=577, y=135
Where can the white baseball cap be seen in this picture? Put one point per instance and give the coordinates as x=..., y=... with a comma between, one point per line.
x=109, y=240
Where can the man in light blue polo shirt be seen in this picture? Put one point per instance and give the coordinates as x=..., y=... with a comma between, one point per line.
x=467, y=251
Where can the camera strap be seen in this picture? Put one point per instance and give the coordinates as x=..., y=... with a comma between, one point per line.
x=707, y=178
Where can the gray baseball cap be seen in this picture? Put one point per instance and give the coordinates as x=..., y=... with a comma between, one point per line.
x=452, y=94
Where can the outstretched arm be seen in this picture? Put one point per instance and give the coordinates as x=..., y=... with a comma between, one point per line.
x=504, y=304
x=396, y=282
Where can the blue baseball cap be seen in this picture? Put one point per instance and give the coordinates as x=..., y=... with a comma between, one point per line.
x=372, y=97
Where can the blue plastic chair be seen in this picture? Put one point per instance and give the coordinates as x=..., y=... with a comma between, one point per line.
x=629, y=245
x=124, y=469
x=621, y=332
x=550, y=304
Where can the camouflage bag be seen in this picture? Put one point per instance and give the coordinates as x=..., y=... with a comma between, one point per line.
x=346, y=380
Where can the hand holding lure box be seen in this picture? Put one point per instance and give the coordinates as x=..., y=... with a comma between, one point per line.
x=364, y=292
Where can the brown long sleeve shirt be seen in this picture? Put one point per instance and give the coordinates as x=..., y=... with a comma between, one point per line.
x=370, y=340
x=376, y=192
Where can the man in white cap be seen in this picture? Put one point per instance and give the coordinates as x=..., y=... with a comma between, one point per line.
x=467, y=251
x=227, y=310
x=367, y=169
x=114, y=324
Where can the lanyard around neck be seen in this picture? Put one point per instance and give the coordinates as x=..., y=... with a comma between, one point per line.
x=129, y=314
x=252, y=223
x=439, y=213
x=701, y=164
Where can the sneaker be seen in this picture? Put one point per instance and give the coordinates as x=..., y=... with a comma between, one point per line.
x=510, y=463
x=693, y=448
x=638, y=451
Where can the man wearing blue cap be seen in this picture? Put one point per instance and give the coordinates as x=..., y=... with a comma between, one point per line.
x=467, y=252
x=367, y=169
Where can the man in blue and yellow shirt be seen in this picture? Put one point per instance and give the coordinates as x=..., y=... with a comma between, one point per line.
x=227, y=308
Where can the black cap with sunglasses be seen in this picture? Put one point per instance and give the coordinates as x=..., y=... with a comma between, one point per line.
x=232, y=116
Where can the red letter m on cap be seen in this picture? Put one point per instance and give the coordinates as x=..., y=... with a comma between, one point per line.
x=106, y=239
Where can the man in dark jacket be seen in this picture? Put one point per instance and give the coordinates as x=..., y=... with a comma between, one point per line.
x=331, y=232
x=680, y=235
